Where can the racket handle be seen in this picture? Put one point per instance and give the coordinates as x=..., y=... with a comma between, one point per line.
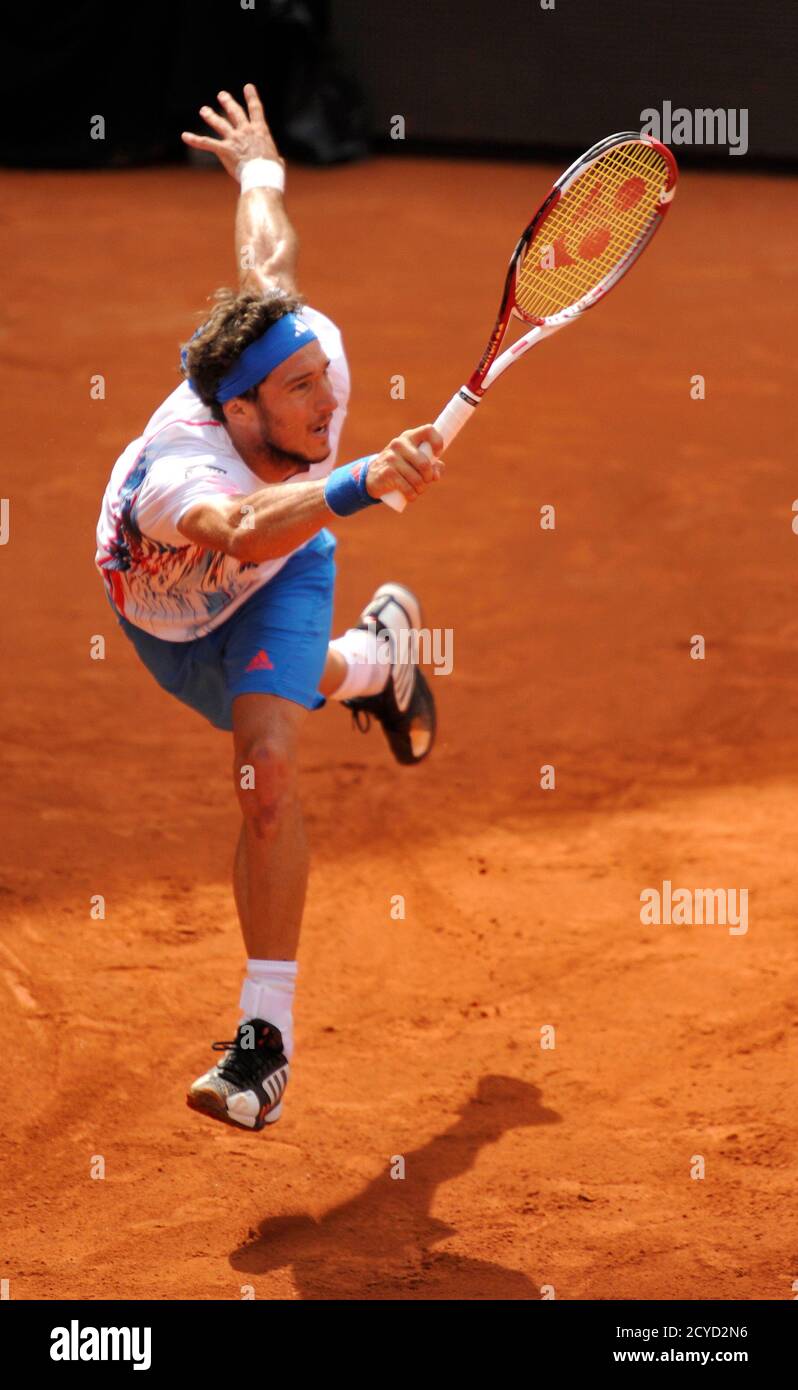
x=448, y=424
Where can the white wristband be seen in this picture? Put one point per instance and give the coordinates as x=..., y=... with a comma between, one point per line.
x=260, y=173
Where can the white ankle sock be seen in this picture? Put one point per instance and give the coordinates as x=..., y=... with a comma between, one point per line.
x=365, y=674
x=268, y=993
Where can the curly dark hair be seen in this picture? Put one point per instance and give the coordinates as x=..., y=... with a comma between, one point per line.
x=237, y=319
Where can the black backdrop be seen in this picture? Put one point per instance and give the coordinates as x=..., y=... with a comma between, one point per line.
x=148, y=66
x=508, y=73
x=498, y=75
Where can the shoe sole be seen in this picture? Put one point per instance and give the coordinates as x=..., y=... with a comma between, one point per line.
x=423, y=685
x=218, y=1112
x=410, y=605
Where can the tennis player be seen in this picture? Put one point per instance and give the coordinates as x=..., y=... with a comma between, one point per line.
x=214, y=549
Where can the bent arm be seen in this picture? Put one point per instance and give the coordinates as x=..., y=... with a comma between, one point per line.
x=279, y=517
x=265, y=525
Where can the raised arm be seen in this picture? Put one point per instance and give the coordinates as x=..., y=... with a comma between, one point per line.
x=278, y=517
x=266, y=243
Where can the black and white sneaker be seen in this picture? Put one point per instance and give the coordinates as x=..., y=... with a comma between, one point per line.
x=406, y=706
x=246, y=1087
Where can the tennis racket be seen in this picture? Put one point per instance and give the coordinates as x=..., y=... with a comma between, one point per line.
x=588, y=232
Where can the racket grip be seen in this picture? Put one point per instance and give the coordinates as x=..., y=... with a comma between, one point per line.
x=448, y=424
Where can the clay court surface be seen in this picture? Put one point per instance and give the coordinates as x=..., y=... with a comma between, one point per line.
x=568, y=1167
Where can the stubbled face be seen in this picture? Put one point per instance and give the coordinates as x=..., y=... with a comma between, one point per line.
x=287, y=427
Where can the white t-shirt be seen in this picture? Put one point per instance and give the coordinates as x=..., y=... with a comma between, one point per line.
x=154, y=576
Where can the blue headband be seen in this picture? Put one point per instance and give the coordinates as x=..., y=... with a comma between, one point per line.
x=281, y=340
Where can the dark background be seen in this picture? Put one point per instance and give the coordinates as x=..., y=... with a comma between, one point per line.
x=506, y=72
x=505, y=77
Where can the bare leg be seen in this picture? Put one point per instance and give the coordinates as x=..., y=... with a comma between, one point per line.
x=271, y=867
x=240, y=881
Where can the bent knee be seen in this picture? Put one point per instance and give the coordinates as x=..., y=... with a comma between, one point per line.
x=265, y=778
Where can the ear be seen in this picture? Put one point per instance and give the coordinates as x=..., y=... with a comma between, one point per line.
x=234, y=409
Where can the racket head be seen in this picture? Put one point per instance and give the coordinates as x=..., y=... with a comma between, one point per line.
x=596, y=221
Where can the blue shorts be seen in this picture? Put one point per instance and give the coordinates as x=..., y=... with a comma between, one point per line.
x=274, y=644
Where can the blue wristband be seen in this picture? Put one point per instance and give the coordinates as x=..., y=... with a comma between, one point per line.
x=345, y=489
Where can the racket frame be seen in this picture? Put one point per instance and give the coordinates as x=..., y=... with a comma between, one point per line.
x=491, y=365
x=490, y=368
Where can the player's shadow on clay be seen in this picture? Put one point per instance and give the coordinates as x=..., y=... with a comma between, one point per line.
x=380, y=1243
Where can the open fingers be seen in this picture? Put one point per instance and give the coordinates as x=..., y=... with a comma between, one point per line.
x=254, y=103
x=201, y=142
x=236, y=114
x=217, y=122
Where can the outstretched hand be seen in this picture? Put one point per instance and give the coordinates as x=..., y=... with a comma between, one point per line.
x=243, y=135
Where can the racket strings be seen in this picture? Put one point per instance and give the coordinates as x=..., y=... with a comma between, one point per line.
x=605, y=213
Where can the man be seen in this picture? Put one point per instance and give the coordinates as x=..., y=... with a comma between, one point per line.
x=213, y=546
